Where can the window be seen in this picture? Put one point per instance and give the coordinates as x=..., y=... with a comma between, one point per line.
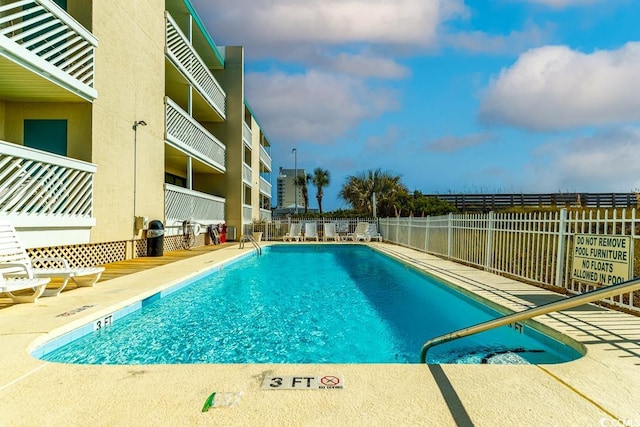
x=172, y=179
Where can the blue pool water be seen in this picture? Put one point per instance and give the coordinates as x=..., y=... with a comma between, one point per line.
x=309, y=304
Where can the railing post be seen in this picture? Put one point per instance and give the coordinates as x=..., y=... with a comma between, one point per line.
x=409, y=232
x=426, y=235
x=397, y=230
x=489, y=247
x=450, y=235
x=560, y=248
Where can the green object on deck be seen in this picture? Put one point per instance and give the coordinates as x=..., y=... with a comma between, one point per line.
x=209, y=402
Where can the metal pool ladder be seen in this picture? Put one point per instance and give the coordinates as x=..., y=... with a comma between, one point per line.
x=574, y=301
x=254, y=243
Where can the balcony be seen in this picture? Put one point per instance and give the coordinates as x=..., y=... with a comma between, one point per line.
x=187, y=135
x=45, y=53
x=188, y=62
x=41, y=191
x=247, y=212
x=246, y=135
x=265, y=215
x=183, y=204
x=265, y=158
x=265, y=187
x=247, y=174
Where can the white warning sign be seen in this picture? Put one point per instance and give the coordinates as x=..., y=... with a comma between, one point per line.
x=605, y=260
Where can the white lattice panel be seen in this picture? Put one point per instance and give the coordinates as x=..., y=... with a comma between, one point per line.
x=35, y=183
x=52, y=36
x=184, y=56
x=181, y=129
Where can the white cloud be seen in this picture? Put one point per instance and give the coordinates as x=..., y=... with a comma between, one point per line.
x=328, y=21
x=389, y=142
x=452, y=143
x=605, y=162
x=313, y=106
x=366, y=66
x=512, y=43
x=559, y=4
x=554, y=87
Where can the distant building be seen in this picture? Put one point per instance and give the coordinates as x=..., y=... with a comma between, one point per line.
x=286, y=196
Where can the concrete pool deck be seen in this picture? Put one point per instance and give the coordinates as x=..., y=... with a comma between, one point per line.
x=601, y=388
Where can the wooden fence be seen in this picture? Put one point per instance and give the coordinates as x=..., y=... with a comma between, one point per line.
x=491, y=202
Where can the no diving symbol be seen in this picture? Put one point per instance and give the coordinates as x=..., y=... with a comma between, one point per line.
x=330, y=381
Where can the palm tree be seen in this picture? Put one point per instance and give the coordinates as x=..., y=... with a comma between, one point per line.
x=320, y=180
x=301, y=181
x=358, y=191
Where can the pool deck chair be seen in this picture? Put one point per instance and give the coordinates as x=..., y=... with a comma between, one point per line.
x=373, y=233
x=295, y=233
x=360, y=233
x=15, y=262
x=10, y=285
x=330, y=232
x=311, y=231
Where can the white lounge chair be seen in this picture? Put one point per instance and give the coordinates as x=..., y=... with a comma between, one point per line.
x=360, y=233
x=15, y=262
x=330, y=232
x=10, y=285
x=311, y=231
x=294, y=233
x=373, y=233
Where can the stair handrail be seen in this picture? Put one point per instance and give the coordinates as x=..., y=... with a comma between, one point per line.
x=252, y=240
x=571, y=302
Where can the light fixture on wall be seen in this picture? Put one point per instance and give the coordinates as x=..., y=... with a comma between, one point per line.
x=138, y=123
x=135, y=172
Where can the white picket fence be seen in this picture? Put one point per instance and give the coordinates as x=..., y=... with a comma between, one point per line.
x=533, y=247
x=276, y=228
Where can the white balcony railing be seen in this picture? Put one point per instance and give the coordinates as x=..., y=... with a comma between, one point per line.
x=247, y=212
x=41, y=36
x=183, y=204
x=265, y=187
x=189, y=136
x=48, y=198
x=246, y=174
x=38, y=184
x=265, y=158
x=185, y=57
x=246, y=135
x=265, y=215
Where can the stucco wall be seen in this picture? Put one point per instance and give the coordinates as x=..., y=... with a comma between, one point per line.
x=2, y=121
x=130, y=84
x=255, y=170
x=78, y=116
x=232, y=81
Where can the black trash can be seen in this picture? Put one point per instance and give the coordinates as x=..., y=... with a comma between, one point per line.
x=155, y=238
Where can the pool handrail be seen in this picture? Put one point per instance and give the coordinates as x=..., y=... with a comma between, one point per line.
x=571, y=302
x=252, y=240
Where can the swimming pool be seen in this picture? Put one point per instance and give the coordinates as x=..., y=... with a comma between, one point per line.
x=308, y=304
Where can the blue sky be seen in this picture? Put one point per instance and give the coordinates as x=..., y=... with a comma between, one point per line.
x=482, y=96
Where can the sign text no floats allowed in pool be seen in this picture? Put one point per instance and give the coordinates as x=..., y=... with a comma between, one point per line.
x=604, y=260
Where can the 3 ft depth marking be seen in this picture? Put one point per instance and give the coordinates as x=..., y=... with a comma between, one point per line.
x=302, y=382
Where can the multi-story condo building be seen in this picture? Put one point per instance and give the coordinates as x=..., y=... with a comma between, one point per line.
x=112, y=110
x=288, y=193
